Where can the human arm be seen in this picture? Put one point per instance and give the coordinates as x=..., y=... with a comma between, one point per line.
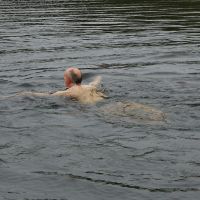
x=44, y=94
x=61, y=93
x=38, y=94
x=96, y=82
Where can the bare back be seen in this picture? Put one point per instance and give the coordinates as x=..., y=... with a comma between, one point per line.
x=86, y=94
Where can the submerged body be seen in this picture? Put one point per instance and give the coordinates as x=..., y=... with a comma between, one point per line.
x=132, y=112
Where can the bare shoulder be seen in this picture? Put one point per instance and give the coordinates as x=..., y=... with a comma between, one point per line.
x=61, y=93
x=74, y=92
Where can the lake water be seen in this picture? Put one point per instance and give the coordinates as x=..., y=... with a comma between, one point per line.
x=146, y=52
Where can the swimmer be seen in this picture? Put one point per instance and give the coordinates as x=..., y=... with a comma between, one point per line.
x=87, y=94
x=90, y=94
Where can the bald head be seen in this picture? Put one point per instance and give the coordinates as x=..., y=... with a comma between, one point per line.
x=72, y=76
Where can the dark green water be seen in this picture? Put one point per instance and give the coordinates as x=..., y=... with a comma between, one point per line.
x=146, y=52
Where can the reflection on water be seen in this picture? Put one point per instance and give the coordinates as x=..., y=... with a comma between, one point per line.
x=146, y=52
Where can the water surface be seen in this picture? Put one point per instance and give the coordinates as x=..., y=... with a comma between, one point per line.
x=146, y=52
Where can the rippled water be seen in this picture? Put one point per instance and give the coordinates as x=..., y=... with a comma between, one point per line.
x=146, y=52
